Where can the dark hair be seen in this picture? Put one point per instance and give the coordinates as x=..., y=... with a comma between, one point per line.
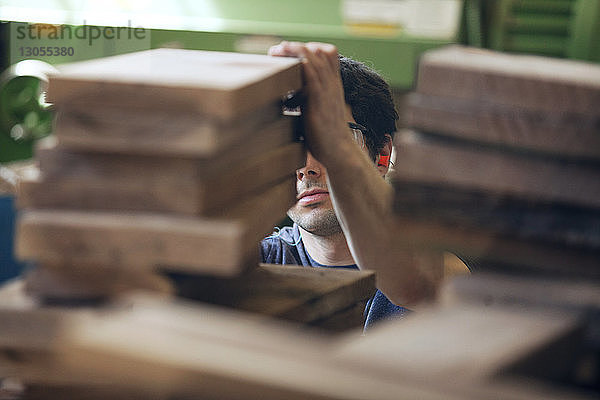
x=370, y=99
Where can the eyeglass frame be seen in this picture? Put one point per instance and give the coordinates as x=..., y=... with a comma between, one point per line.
x=358, y=134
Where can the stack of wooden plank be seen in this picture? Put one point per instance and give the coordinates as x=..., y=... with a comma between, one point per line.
x=165, y=158
x=167, y=169
x=144, y=347
x=502, y=163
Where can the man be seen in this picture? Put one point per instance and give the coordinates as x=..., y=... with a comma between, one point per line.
x=343, y=214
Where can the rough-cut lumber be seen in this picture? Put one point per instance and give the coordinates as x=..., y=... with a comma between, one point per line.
x=63, y=284
x=429, y=159
x=344, y=320
x=163, y=349
x=296, y=293
x=544, y=222
x=487, y=246
x=115, y=129
x=222, y=85
x=222, y=245
x=99, y=181
x=485, y=288
x=168, y=349
x=306, y=295
x=532, y=82
x=560, y=134
x=459, y=344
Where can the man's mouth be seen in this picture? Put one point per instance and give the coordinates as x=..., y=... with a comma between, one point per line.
x=312, y=196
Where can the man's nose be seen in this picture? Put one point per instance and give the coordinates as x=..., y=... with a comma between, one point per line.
x=312, y=168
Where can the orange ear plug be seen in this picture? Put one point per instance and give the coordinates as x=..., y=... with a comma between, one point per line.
x=384, y=161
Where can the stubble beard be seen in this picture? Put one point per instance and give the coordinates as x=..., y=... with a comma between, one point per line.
x=315, y=218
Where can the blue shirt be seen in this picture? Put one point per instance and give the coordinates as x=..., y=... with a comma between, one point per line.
x=286, y=247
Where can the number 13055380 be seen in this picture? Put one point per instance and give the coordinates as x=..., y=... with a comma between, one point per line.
x=46, y=51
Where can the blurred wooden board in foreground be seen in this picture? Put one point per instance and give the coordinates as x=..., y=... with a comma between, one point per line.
x=214, y=84
x=440, y=342
x=90, y=284
x=560, y=134
x=311, y=296
x=504, y=167
x=100, y=181
x=503, y=289
x=151, y=348
x=147, y=131
x=173, y=349
x=531, y=82
x=498, y=206
x=222, y=244
x=503, y=251
x=303, y=294
x=542, y=221
x=438, y=160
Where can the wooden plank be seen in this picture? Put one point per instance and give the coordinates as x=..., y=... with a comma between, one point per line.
x=486, y=246
x=98, y=181
x=464, y=350
x=532, y=82
x=460, y=344
x=559, y=134
x=142, y=346
x=220, y=245
x=296, y=293
x=487, y=288
x=110, y=128
x=217, y=84
x=541, y=221
x=84, y=392
x=181, y=350
x=433, y=160
x=62, y=284
x=342, y=321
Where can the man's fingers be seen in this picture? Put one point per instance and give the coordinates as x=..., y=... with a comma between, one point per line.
x=287, y=49
x=322, y=58
x=297, y=49
x=317, y=53
x=275, y=50
x=326, y=52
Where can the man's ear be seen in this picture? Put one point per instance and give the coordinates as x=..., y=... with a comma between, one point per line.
x=383, y=158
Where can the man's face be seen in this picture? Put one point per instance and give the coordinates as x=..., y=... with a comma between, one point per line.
x=313, y=211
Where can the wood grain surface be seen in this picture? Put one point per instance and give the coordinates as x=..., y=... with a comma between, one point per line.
x=562, y=135
x=222, y=245
x=429, y=159
x=147, y=131
x=532, y=82
x=296, y=293
x=101, y=181
x=217, y=84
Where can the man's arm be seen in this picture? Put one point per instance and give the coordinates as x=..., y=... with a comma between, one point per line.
x=361, y=199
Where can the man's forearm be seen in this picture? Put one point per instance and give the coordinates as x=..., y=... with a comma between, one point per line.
x=363, y=204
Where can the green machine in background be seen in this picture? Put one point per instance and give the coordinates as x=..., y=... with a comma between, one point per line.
x=24, y=115
x=557, y=28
